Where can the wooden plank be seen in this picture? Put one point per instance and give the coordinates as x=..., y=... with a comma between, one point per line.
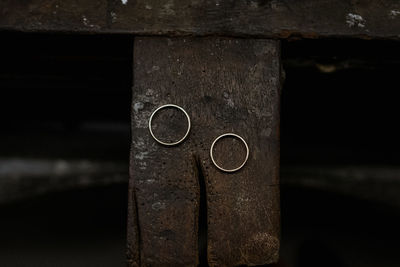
x=277, y=19
x=226, y=85
x=49, y=15
x=164, y=178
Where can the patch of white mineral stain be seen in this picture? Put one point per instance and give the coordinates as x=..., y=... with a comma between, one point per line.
x=124, y=2
x=254, y=4
x=142, y=165
x=113, y=16
x=149, y=92
x=355, y=20
x=153, y=69
x=394, y=13
x=138, y=106
x=181, y=69
x=228, y=100
x=168, y=8
x=141, y=155
x=140, y=144
x=55, y=11
x=87, y=23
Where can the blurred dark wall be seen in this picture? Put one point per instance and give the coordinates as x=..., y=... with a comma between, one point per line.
x=65, y=137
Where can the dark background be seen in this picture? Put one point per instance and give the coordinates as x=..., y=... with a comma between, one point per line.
x=65, y=102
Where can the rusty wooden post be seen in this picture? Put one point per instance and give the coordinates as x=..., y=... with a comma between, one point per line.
x=176, y=193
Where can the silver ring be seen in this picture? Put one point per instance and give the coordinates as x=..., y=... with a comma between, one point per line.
x=212, y=156
x=169, y=106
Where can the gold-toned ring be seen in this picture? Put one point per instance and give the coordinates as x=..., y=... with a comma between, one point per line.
x=226, y=135
x=169, y=106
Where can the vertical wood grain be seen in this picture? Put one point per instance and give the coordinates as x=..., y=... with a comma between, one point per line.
x=226, y=85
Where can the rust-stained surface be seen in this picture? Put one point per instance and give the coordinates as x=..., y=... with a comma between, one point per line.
x=277, y=18
x=225, y=85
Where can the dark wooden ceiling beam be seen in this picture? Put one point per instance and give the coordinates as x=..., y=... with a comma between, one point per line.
x=257, y=18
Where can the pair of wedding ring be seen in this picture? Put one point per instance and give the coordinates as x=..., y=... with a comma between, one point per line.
x=187, y=133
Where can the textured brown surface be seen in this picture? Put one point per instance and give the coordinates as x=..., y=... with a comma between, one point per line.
x=274, y=18
x=226, y=85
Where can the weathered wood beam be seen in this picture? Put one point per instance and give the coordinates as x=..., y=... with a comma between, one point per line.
x=275, y=18
x=373, y=183
x=23, y=177
x=225, y=85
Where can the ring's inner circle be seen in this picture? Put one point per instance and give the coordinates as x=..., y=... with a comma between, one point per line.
x=229, y=152
x=169, y=124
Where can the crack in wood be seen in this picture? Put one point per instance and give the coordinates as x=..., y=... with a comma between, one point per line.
x=203, y=219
